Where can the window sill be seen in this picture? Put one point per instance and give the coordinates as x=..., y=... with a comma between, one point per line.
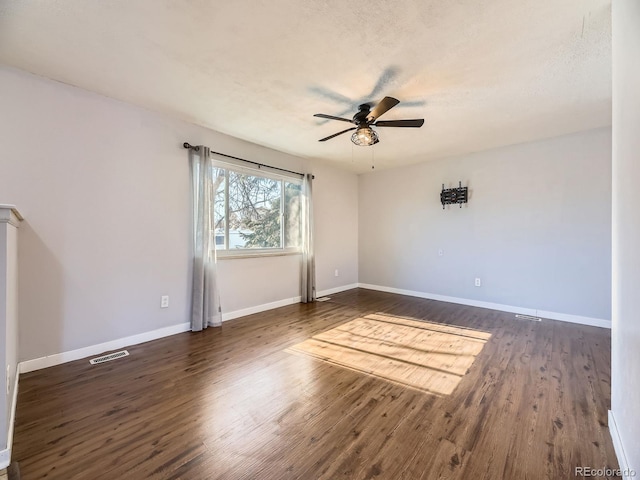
x=226, y=255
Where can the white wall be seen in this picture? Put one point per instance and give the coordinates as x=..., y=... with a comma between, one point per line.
x=9, y=222
x=336, y=227
x=625, y=335
x=536, y=230
x=4, y=343
x=104, y=189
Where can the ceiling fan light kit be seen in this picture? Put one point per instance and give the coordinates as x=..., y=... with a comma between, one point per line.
x=366, y=118
x=364, y=136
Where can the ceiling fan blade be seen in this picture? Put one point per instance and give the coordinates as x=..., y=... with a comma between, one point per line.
x=400, y=123
x=336, y=134
x=331, y=117
x=386, y=104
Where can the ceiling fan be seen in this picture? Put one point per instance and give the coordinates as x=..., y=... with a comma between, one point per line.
x=366, y=118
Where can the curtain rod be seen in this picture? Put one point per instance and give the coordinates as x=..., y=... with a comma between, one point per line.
x=196, y=148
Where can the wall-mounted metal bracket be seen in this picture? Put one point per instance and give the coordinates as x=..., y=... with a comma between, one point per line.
x=450, y=196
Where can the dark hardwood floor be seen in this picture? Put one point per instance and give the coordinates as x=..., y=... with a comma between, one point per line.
x=232, y=403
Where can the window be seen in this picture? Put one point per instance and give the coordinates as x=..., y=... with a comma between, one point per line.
x=256, y=212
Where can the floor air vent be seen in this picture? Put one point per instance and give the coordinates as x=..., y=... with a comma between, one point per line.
x=109, y=357
x=323, y=299
x=529, y=317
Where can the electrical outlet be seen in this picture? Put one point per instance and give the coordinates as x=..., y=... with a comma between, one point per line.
x=478, y=282
x=336, y=273
x=164, y=301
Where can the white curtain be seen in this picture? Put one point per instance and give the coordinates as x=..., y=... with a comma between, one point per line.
x=308, y=258
x=205, y=298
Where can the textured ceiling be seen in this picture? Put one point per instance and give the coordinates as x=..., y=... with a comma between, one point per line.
x=483, y=73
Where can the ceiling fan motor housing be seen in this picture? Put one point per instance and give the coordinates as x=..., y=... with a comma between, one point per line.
x=360, y=118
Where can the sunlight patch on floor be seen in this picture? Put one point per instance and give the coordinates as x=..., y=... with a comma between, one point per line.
x=427, y=356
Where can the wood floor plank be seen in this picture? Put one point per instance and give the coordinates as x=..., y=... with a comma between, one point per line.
x=246, y=401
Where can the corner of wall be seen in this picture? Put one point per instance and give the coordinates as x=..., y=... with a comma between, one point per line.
x=5, y=455
x=617, y=444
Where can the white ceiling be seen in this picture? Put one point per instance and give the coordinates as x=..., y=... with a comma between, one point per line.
x=483, y=73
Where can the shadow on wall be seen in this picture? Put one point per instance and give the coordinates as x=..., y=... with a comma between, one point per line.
x=41, y=296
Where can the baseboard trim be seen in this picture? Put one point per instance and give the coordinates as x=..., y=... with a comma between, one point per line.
x=567, y=317
x=5, y=455
x=64, y=357
x=5, y=458
x=617, y=443
x=331, y=291
x=564, y=317
x=259, y=308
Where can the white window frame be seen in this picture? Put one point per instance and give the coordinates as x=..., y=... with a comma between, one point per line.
x=237, y=167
